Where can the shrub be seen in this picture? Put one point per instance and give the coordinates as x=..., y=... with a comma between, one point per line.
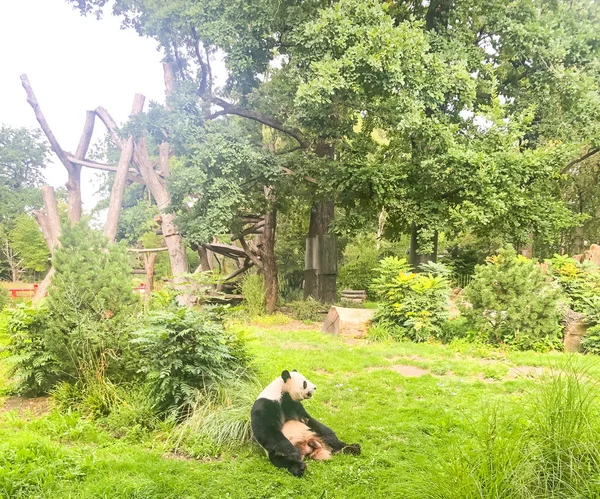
x=34, y=363
x=579, y=281
x=307, y=310
x=412, y=305
x=185, y=352
x=81, y=333
x=3, y=298
x=253, y=291
x=513, y=302
x=456, y=328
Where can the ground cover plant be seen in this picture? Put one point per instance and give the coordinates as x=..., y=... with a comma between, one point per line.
x=424, y=414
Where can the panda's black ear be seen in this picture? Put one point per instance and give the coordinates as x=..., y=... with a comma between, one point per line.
x=294, y=371
x=285, y=375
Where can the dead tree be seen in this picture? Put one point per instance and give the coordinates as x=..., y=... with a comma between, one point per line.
x=118, y=187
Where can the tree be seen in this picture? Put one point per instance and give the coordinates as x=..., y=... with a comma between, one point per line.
x=22, y=160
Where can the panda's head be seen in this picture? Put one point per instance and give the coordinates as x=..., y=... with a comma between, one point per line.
x=297, y=386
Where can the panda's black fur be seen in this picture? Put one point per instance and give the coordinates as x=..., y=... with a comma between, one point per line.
x=280, y=402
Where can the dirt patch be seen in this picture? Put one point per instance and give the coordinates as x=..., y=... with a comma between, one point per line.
x=181, y=456
x=410, y=371
x=27, y=406
x=525, y=372
x=299, y=346
x=405, y=370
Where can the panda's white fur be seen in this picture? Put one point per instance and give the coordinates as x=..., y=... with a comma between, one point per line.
x=297, y=386
x=278, y=405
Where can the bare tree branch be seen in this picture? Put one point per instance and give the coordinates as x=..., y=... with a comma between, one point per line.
x=74, y=182
x=256, y=116
x=587, y=155
x=132, y=174
x=44, y=124
x=250, y=253
x=111, y=125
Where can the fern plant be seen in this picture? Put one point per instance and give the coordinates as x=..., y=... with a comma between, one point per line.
x=185, y=352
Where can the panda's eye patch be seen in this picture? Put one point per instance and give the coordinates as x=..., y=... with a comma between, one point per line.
x=305, y=385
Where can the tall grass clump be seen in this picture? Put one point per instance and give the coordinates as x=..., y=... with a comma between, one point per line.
x=220, y=419
x=547, y=447
x=253, y=291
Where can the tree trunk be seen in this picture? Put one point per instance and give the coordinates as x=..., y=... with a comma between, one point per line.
x=321, y=287
x=269, y=262
x=118, y=188
x=149, y=261
x=205, y=262
x=74, y=181
x=415, y=258
x=49, y=222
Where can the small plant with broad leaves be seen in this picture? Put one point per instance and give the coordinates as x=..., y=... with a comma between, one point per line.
x=185, y=352
x=514, y=303
x=413, y=305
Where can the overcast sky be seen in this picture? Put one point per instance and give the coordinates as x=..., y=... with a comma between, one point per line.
x=74, y=64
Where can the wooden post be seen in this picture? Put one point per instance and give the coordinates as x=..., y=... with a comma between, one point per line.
x=118, y=187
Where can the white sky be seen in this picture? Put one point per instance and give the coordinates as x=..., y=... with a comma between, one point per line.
x=74, y=63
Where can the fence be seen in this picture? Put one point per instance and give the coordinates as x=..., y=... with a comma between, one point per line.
x=29, y=292
x=460, y=280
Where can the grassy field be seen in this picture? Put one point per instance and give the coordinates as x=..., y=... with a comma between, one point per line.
x=414, y=408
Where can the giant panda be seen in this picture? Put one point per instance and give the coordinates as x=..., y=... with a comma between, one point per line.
x=279, y=403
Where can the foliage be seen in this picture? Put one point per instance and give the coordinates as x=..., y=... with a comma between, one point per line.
x=253, y=291
x=412, y=305
x=37, y=368
x=307, y=310
x=580, y=282
x=184, y=352
x=358, y=270
x=4, y=299
x=549, y=447
x=81, y=334
x=23, y=155
x=591, y=341
x=27, y=240
x=220, y=419
x=513, y=302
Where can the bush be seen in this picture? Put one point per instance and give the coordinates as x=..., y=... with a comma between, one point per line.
x=33, y=361
x=185, y=352
x=253, y=291
x=3, y=298
x=579, y=281
x=81, y=333
x=412, y=305
x=454, y=329
x=308, y=310
x=514, y=303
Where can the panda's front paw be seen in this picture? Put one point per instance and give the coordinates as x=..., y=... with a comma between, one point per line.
x=353, y=449
x=297, y=468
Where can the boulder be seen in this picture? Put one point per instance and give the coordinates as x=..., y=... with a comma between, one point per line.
x=350, y=322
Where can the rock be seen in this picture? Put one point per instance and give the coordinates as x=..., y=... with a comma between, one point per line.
x=352, y=322
x=575, y=330
x=593, y=254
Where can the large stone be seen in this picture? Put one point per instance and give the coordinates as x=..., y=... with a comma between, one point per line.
x=593, y=254
x=575, y=330
x=350, y=322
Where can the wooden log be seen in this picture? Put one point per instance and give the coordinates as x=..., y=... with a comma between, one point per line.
x=350, y=322
x=118, y=187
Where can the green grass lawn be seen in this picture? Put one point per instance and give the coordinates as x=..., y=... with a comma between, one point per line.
x=408, y=426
